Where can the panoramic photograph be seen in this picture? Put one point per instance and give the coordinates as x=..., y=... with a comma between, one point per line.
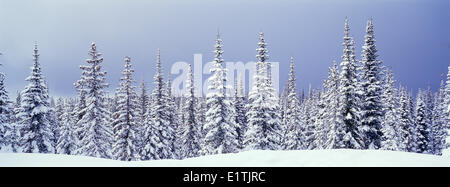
x=198, y=84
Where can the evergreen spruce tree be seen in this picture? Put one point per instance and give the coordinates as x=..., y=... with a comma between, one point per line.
x=34, y=123
x=371, y=112
x=5, y=115
x=390, y=124
x=264, y=125
x=239, y=111
x=423, y=125
x=292, y=135
x=79, y=111
x=59, y=110
x=126, y=125
x=438, y=122
x=332, y=129
x=143, y=105
x=173, y=117
x=160, y=134
x=12, y=132
x=348, y=101
x=446, y=106
x=95, y=123
x=221, y=133
x=67, y=139
x=189, y=131
x=310, y=108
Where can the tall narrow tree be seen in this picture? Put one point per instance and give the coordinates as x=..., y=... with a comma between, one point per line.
x=160, y=134
x=95, y=123
x=67, y=140
x=239, y=111
x=371, y=112
x=126, y=125
x=422, y=124
x=221, y=133
x=438, y=122
x=189, y=130
x=390, y=123
x=264, y=130
x=143, y=105
x=36, y=135
x=293, y=138
x=5, y=115
x=348, y=107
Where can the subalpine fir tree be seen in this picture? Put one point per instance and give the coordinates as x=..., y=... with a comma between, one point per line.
x=348, y=101
x=79, y=111
x=172, y=111
x=12, y=134
x=422, y=123
x=67, y=139
x=34, y=113
x=309, y=116
x=438, y=122
x=143, y=105
x=59, y=110
x=126, y=125
x=264, y=125
x=221, y=133
x=446, y=105
x=292, y=135
x=160, y=134
x=408, y=131
x=189, y=131
x=330, y=124
x=239, y=111
x=390, y=124
x=200, y=116
x=95, y=124
x=5, y=115
x=371, y=111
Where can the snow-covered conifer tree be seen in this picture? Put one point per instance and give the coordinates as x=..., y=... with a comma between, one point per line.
x=34, y=123
x=348, y=106
x=438, y=122
x=331, y=127
x=239, y=110
x=67, y=142
x=407, y=128
x=390, y=122
x=95, y=124
x=221, y=133
x=292, y=135
x=422, y=123
x=160, y=135
x=371, y=110
x=126, y=125
x=189, y=131
x=5, y=115
x=446, y=106
x=264, y=125
x=172, y=112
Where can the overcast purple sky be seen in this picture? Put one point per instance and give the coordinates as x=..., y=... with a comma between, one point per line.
x=413, y=37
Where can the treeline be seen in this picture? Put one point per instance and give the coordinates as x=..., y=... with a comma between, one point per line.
x=359, y=107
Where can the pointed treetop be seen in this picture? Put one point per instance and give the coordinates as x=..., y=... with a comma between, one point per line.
x=291, y=72
x=218, y=33
x=36, y=54
x=346, y=28
x=369, y=27
x=158, y=63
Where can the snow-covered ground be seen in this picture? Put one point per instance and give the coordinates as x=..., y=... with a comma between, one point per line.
x=245, y=159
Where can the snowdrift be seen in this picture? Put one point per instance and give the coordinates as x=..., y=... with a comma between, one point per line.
x=340, y=157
